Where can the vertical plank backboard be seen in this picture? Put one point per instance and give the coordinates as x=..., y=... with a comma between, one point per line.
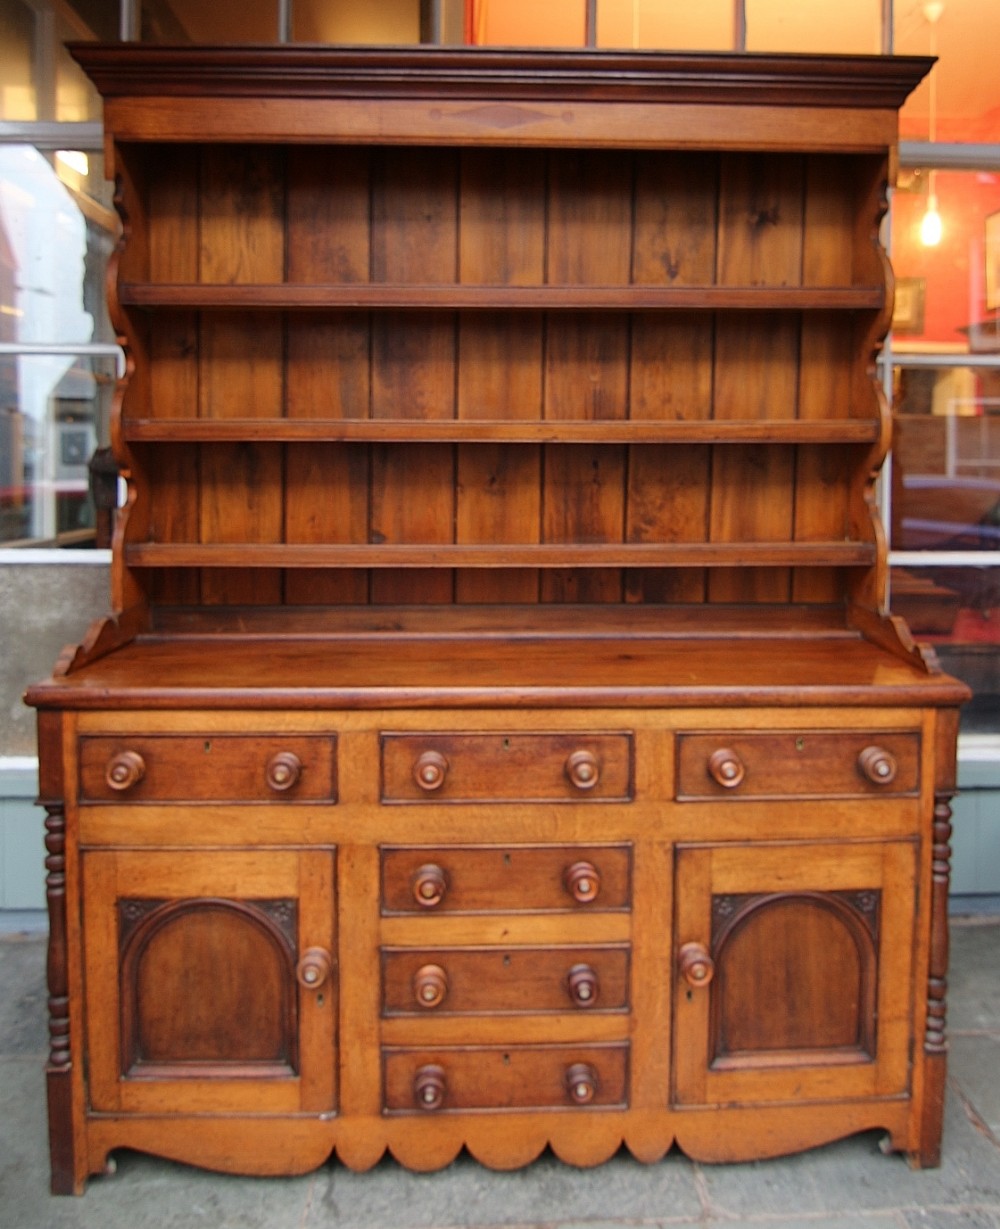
x=501, y=243
x=756, y=366
x=172, y=370
x=328, y=360
x=241, y=362
x=676, y=205
x=414, y=241
x=824, y=375
x=586, y=363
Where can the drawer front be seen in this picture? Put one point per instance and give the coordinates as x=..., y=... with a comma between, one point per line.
x=804, y=764
x=208, y=768
x=506, y=879
x=513, y=980
x=520, y=1077
x=506, y=767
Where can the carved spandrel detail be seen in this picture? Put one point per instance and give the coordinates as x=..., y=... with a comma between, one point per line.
x=727, y=909
x=131, y=911
x=56, y=969
x=285, y=915
x=935, y=1035
x=282, y=914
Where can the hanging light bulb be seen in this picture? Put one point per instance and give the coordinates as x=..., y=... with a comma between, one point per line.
x=931, y=229
x=930, y=224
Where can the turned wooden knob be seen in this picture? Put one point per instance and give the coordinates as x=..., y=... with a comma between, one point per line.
x=283, y=771
x=696, y=965
x=430, y=985
x=313, y=968
x=583, y=985
x=430, y=770
x=429, y=1087
x=124, y=770
x=583, y=769
x=878, y=765
x=582, y=881
x=429, y=886
x=581, y=1083
x=726, y=768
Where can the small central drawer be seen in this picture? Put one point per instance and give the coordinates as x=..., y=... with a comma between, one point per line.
x=512, y=980
x=504, y=878
x=506, y=767
x=519, y=1077
x=208, y=768
x=798, y=764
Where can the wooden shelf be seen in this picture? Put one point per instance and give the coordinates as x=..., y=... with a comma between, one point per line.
x=491, y=431
x=540, y=555
x=454, y=297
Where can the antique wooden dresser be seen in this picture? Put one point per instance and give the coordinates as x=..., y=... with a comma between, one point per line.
x=498, y=739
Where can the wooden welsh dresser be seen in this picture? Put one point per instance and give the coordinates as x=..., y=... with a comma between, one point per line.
x=498, y=739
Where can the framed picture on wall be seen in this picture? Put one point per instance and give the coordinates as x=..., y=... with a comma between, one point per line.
x=991, y=248
x=908, y=305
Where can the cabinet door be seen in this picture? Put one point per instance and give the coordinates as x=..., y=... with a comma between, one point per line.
x=792, y=971
x=210, y=982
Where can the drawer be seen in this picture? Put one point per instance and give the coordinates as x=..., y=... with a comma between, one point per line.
x=506, y=767
x=506, y=878
x=519, y=1077
x=803, y=764
x=512, y=980
x=208, y=768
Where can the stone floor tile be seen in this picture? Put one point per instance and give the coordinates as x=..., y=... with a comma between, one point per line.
x=950, y=1218
x=853, y=1176
x=23, y=1026
x=974, y=1069
x=547, y=1192
x=974, y=976
x=144, y=1193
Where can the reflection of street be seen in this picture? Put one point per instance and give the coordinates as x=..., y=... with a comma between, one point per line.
x=43, y=398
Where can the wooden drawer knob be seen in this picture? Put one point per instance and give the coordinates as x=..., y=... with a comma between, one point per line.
x=581, y=1083
x=124, y=770
x=582, y=985
x=878, y=765
x=430, y=770
x=726, y=768
x=582, y=881
x=583, y=769
x=430, y=986
x=429, y=886
x=283, y=771
x=429, y=1087
x=696, y=965
x=313, y=968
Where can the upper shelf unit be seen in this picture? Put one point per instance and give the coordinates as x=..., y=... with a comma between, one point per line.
x=440, y=326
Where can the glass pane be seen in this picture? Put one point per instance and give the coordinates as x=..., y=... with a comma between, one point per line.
x=40, y=80
x=55, y=415
x=948, y=283
x=946, y=497
x=76, y=99
x=18, y=100
x=55, y=241
x=957, y=610
x=194, y=21
x=966, y=83
x=783, y=25
x=667, y=26
x=946, y=459
x=356, y=21
x=526, y=23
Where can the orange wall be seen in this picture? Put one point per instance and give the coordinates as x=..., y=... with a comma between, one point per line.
x=954, y=270
x=520, y=23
